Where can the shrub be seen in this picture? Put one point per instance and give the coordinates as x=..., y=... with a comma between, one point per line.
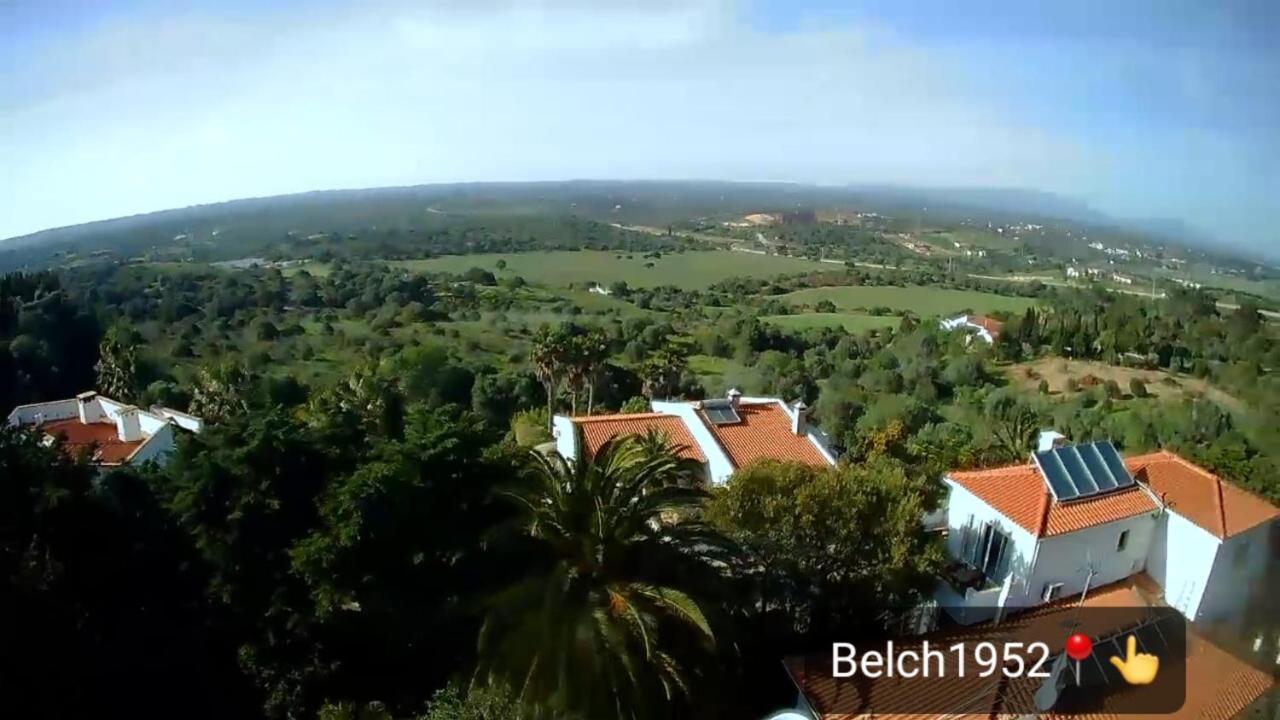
x=1073, y=385
x=1137, y=388
x=1044, y=387
x=1112, y=389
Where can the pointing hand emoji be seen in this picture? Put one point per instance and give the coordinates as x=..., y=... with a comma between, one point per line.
x=1137, y=668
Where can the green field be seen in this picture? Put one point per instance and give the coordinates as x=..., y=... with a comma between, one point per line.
x=920, y=300
x=689, y=270
x=847, y=321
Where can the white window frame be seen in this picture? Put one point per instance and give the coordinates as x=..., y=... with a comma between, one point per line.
x=1052, y=591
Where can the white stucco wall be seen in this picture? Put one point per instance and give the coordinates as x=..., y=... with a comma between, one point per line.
x=1067, y=558
x=718, y=466
x=150, y=423
x=155, y=448
x=54, y=410
x=1180, y=560
x=566, y=437
x=964, y=508
x=183, y=420
x=1238, y=573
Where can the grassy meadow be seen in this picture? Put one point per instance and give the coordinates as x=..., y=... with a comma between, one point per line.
x=849, y=322
x=689, y=270
x=923, y=301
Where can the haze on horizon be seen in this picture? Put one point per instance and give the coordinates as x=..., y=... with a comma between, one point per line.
x=1164, y=109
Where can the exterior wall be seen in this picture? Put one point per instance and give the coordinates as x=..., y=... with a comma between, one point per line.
x=965, y=508
x=110, y=408
x=1236, y=582
x=55, y=410
x=718, y=466
x=187, y=422
x=1180, y=559
x=1067, y=558
x=156, y=448
x=566, y=438
x=150, y=423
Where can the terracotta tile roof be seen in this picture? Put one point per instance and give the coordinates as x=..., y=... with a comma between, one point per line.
x=1219, y=685
x=78, y=438
x=764, y=434
x=599, y=429
x=1200, y=496
x=1020, y=494
x=991, y=325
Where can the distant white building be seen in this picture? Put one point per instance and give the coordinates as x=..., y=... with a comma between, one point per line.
x=988, y=329
x=1073, y=271
x=723, y=435
x=1122, y=279
x=600, y=290
x=109, y=432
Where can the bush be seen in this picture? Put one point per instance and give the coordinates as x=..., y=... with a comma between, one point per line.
x=1137, y=388
x=637, y=404
x=1073, y=385
x=529, y=427
x=1044, y=387
x=1112, y=389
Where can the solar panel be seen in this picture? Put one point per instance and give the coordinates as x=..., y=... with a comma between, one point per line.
x=1056, y=475
x=1114, y=463
x=721, y=414
x=1097, y=467
x=1081, y=471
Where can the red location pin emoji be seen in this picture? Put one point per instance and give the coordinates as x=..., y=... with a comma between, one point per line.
x=1078, y=648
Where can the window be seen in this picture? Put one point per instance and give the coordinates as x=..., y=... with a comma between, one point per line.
x=1051, y=592
x=1122, y=541
x=990, y=553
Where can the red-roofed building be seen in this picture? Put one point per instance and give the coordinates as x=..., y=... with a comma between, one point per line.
x=987, y=328
x=1219, y=684
x=723, y=435
x=1027, y=534
x=103, y=431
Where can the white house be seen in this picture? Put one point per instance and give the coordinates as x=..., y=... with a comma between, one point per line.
x=112, y=433
x=1079, y=527
x=723, y=435
x=988, y=329
x=1071, y=520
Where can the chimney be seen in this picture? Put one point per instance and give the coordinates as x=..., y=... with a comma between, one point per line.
x=128, y=424
x=734, y=397
x=800, y=421
x=1050, y=439
x=90, y=410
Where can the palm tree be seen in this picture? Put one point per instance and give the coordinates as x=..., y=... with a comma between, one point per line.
x=600, y=629
x=547, y=355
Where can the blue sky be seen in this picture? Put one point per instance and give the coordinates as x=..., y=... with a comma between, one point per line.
x=1143, y=109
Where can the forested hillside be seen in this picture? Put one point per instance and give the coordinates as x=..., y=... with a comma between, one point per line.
x=364, y=530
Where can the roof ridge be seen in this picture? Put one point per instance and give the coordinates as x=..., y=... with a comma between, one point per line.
x=1046, y=504
x=619, y=416
x=990, y=471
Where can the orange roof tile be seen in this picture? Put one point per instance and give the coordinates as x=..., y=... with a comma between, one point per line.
x=599, y=429
x=77, y=438
x=991, y=325
x=1200, y=496
x=1020, y=494
x=764, y=434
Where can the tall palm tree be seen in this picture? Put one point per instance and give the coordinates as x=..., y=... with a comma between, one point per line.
x=600, y=629
x=547, y=355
